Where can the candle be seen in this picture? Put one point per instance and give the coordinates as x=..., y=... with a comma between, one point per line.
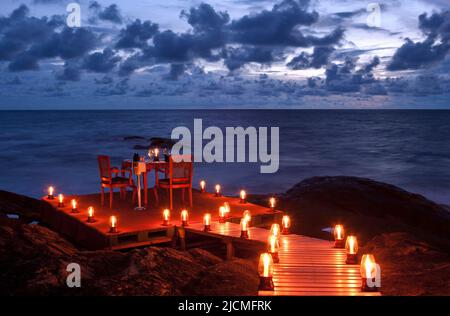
x=265, y=270
x=156, y=151
x=202, y=186
x=113, y=221
x=90, y=218
x=184, y=218
x=243, y=196
x=275, y=230
x=222, y=214
x=217, y=188
x=207, y=222
x=247, y=216
x=339, y=234
x=61, y=200
x=370, y=274
x=244, y=228
x=272, y=203
x=273, y=246
x=351, y=247
x=227, y=209
x=74, y=206
x=166, y=217
x=50, y=193
x=286, y=222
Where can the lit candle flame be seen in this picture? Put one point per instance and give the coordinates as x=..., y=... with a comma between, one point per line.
x=202, y=185
x=338, y=232
x=74, y=204
x=272, y=202
x=244, y=224
x=368, y=266
x=90, y=211
x=51, y=190
x=272, y=243
x=243, y=194
x=222, y=211
x=207, y=219
x=266, y=262
x=351, y=245
x=286, y=221
x=275, y=230
x=61, y=198
x=156, y=152
x=227, y=208
x=217, y=188
x=113, y=221
x=247, y=216
x=184, y=215
x=166, y=214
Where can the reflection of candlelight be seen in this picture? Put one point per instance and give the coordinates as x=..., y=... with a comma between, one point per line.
x=90, y=215
x=217, y=188
x=339, y=236
x=244, y=228
x=222, y=214
x=286, y=222
x=50, y=193
x=243, y=196
x=166, y=217
x=184, y=218
x=351, y=247
x=61, y=200
x=113, y=221
x=74, y=206
x=207, y=222
x=272, y=203
x=265, y=270
x=202, y=186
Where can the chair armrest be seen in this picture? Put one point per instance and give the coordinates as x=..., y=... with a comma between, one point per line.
x=115, y=170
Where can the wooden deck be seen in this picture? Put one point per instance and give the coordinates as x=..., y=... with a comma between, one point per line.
x=308, y=266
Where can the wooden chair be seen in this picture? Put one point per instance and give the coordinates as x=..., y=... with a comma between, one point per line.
x=109, y=178
x=179, y=177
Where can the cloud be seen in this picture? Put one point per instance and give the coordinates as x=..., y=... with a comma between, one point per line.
x=176, y=70
x=136, y=34
x=237, y=57
x=416, y=55
x=317, y=59
x=69, y=73
x=111, y=13
x=102, y=62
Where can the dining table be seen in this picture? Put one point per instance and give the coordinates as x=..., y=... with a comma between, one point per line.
x=158, y=166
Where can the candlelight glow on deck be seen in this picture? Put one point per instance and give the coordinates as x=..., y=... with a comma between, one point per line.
x=166, y=217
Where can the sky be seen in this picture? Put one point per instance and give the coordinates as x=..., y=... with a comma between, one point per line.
x=146, y=54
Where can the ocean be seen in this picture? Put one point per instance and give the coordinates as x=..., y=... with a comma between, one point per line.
x=407, y=148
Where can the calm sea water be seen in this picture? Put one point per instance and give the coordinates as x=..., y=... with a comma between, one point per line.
x=410, y=149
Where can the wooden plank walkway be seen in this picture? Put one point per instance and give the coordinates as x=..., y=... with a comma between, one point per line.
x=308, y=266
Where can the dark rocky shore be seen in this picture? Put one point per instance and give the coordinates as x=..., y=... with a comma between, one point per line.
x=408, y=234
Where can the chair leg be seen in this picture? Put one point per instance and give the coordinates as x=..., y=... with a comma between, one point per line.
x=111, y=197
x=155, y=193
x=190, y=197
x=102, y=199
x=170, y=199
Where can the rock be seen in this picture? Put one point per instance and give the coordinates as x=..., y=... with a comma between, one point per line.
x=410, y=266
x=27, y=208
x=365, y=207
x=161, y=142
x=34, y=259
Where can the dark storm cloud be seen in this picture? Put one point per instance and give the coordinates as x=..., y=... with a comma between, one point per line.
x=69, y=73
x=176, y=70
x=317, y=59
x=102, y=62
x=23, y=62
x=415, y=55
x=111, y=13
x=137, y=34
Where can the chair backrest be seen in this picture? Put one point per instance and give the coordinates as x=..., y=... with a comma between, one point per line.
x=104, y=166
x=181, y=169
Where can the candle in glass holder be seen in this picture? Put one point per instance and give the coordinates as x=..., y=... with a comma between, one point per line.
x=339, y=234
x=222, y=214
x=272, y=203
x=286, y=223
x=265, y=270
x=184, y=218
x=275, y=230
x=113, y=227
x=207, y=222
x=74, y=206
x=227, y=209
x=247, y=216
x=217, y=190
x=156, y=151
x=202, y=186
x=90, y=218
x=273, y=246
x=244, y=228
x=351, y=249
x=243, y=196
x=50, y=193
x=60, y=200
x=166, y=217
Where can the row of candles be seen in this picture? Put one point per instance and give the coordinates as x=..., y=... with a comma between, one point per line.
x=368, y=266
